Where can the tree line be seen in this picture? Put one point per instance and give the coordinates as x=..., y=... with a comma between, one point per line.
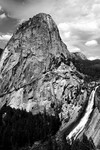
x=21, y=129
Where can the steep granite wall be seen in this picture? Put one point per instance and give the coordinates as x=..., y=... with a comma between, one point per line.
x=36, y=71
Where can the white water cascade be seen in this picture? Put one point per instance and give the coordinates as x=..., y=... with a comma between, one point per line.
x=79, y=128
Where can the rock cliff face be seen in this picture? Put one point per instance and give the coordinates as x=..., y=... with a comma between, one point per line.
x=36, y=71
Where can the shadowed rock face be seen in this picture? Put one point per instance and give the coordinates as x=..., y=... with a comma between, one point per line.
x=35, y=67
x=1, y=51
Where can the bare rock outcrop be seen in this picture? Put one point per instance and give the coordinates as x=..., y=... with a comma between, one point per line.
x=35, y=69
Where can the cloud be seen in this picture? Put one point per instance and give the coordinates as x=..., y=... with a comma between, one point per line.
x=2, y=16
x=93, y=58
x=91, y=43
x=73, y=48
x=24, y=9
x=8, y=25
x=0, y=7
x=21, y=21
x=66, y=10
x=5, y=37
x=67, y=35
x=63, y=26
x=84, y=25
x=96, y=9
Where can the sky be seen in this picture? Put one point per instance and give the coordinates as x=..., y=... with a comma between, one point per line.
x=78, y=21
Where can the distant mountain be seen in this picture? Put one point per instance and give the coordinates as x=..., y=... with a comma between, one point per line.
x=85, y=66
x=78, y=56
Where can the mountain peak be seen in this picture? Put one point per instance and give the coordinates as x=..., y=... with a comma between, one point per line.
x=37, y=19
x=31, y=49
x=40, y=30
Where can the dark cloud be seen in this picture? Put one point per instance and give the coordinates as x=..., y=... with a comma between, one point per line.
x=2, y=44
x=14, y=1
x=25, y=9
x=8, y=25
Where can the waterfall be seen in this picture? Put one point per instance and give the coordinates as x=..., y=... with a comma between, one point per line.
x=79, y=128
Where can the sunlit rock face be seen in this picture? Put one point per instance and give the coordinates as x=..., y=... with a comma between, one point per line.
x=35, y=69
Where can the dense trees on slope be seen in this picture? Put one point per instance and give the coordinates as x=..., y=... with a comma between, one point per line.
x=87, y=67
x=52, y=144
x=21, y=129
